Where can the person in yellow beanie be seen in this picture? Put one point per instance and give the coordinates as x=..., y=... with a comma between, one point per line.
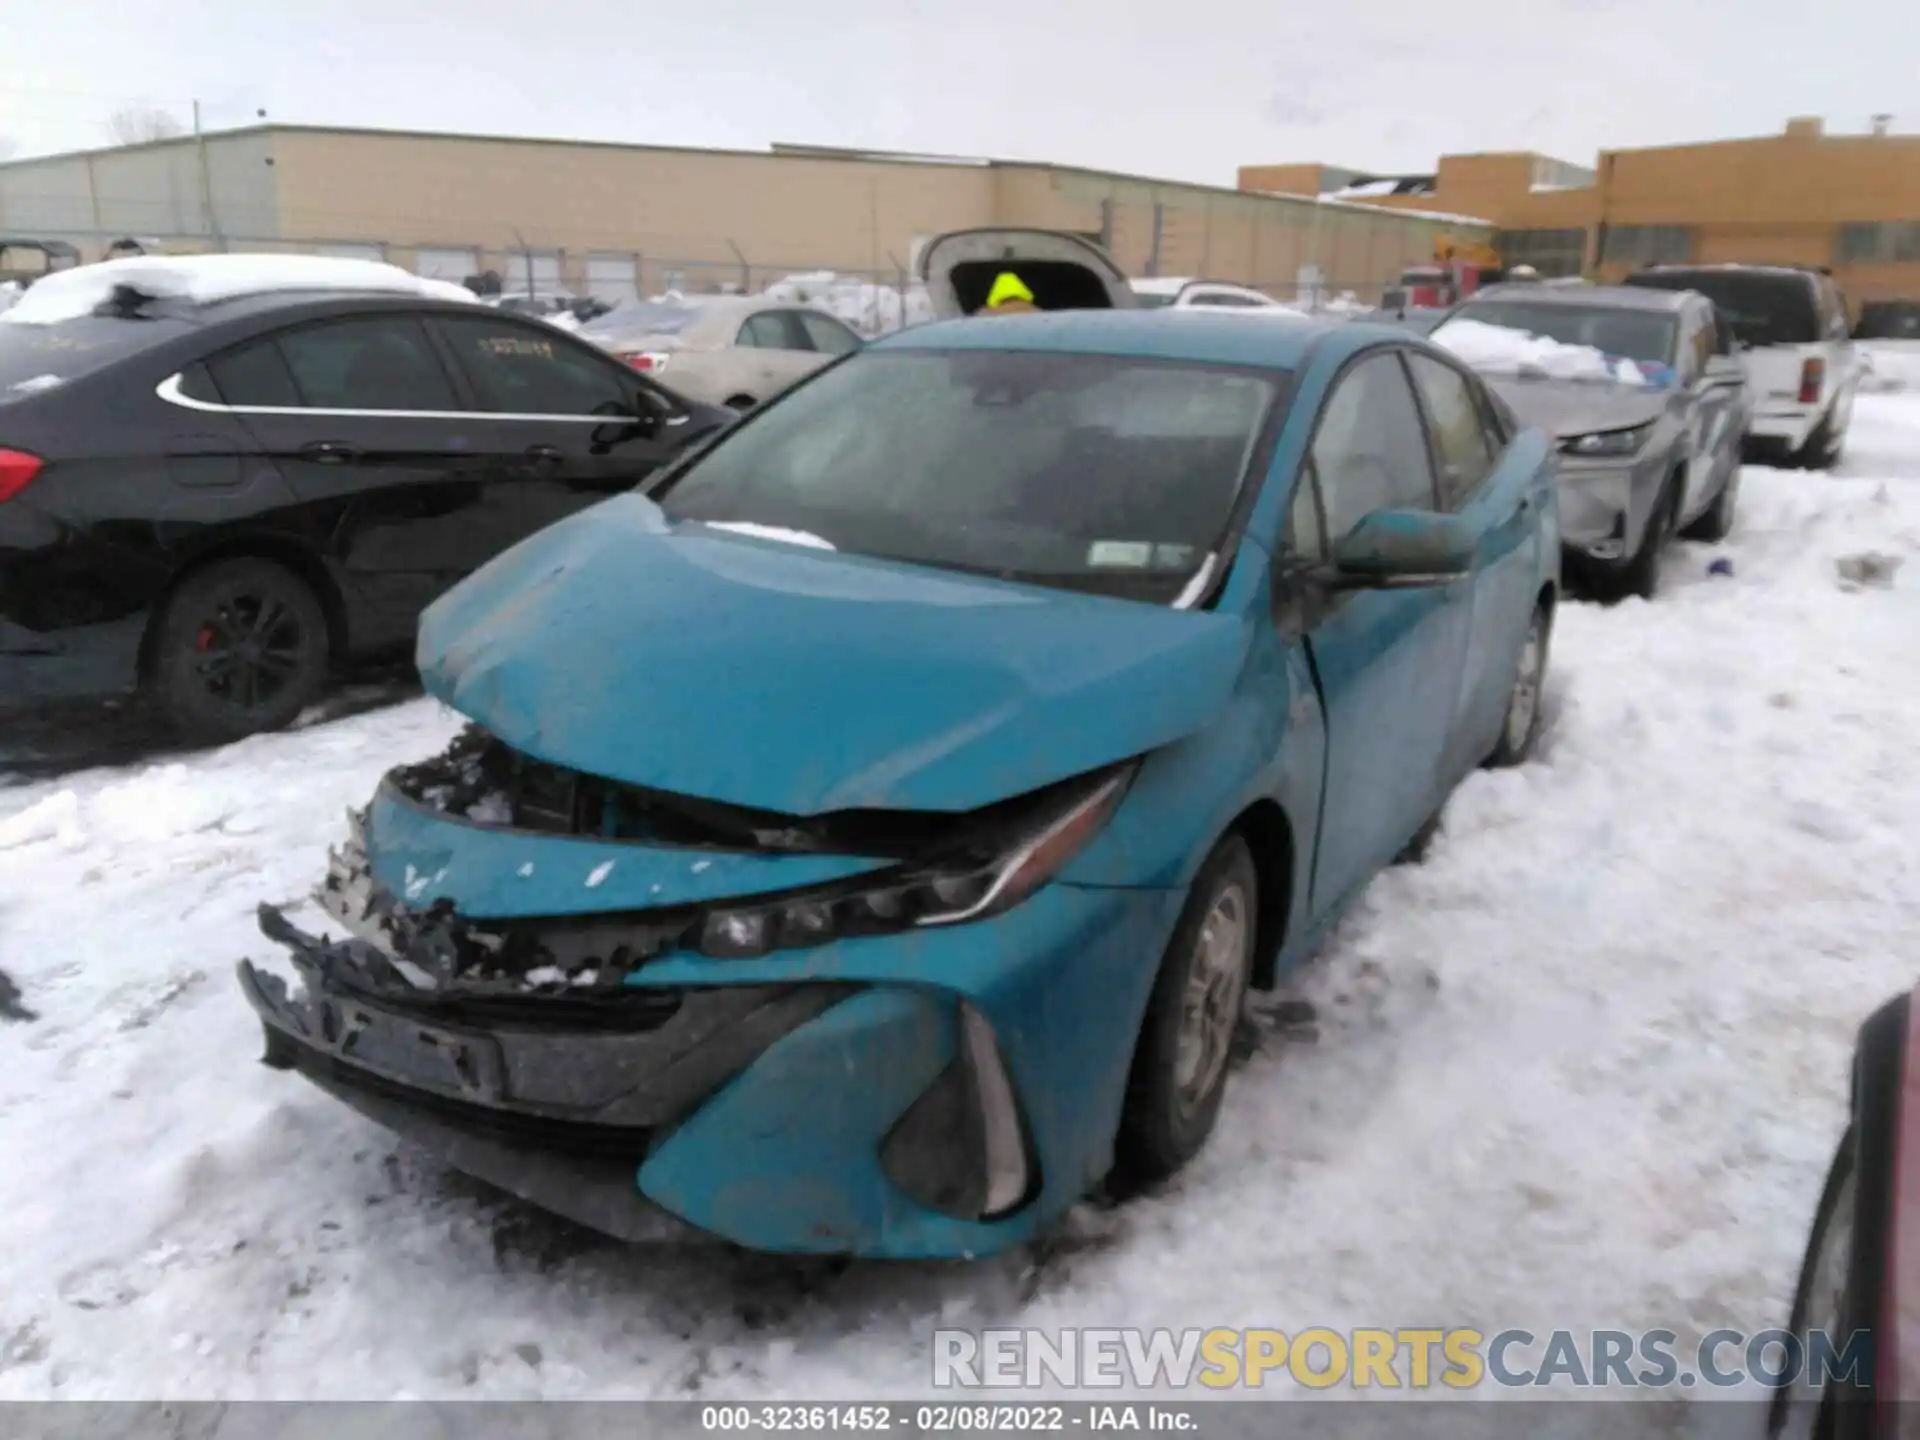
x=1008, y=295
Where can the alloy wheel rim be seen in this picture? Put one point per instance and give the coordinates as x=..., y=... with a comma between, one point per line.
x=1210, y=1005
x=248, y=649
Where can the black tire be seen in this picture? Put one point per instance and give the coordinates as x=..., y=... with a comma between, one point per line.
x=1167, y=1118
x=741, y=403
x=241, y=647
x=1822, y=448
x=1716, y=522
x=1414, y=852
x=1641, y=575
x=1520, y=725
x=1855, y=1210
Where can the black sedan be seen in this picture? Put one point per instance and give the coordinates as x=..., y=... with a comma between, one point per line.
x=215, y=504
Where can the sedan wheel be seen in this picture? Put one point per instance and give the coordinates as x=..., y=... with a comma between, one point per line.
x=242, y=647
x=1180, y=1063
x=1521, y=725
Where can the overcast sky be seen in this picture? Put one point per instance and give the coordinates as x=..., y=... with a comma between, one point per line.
x=1199, y=89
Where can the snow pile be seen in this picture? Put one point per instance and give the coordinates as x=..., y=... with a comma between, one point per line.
x=1582, y=1068
x=565, y=320
x=771, y=532
x=869, y=308
x=1891, y=366
x=203, y=279
x=1497, y=350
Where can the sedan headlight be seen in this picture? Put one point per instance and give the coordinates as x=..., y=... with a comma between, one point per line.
x=1607, y=444
x=970, y=888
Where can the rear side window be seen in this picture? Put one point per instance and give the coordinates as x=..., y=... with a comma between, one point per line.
x=373, y=364
x=254, y=375
x=1459, y=435
x=773, y=330
x=520, y=371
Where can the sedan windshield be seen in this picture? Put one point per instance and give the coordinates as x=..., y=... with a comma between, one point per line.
x=1088, y=472
x=1638, y=335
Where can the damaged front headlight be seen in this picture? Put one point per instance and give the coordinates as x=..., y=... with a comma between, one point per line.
x=973, y=887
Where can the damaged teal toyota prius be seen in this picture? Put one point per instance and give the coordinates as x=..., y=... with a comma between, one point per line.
x=866, y=835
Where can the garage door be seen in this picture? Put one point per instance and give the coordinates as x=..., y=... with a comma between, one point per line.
x=610, y=278
x=536, y=274
x=440, y=262
x=351, y=252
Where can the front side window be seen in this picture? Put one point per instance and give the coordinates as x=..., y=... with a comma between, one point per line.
x=1088, y=472
x=1370, y=450
x=828, y=335
x=1459, y=434
x=517, y=370
x=384, y=363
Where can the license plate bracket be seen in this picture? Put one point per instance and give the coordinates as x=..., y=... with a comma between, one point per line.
x=461, y=1064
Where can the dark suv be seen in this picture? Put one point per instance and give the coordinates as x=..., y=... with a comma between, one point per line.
x=214, y=503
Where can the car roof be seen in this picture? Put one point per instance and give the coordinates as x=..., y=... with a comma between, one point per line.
x=1585, y=297
x=1198, y=334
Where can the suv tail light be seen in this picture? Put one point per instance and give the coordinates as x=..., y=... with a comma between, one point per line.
x=651, y=361
x=1811, y=374
x=17, y=469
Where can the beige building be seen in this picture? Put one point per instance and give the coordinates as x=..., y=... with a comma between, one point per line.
x=1804, y=196
x=613, y=219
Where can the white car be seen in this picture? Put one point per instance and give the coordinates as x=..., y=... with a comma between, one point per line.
x=734, y=350
x=1184, y=292
x=1803, y=368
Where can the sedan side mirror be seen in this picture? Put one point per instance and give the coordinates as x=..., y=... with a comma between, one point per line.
x=1401, y=550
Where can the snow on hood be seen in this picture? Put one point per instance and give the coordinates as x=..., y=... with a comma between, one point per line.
x=1497, y=350
x=203, y=279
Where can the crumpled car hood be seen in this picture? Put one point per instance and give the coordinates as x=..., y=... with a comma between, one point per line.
x=1565, y=408
x=782, y=677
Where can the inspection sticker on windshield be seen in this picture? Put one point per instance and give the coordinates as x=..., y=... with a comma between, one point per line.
x=1121, y=554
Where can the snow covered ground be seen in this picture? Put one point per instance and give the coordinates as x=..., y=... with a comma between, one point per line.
x=1582, y=1068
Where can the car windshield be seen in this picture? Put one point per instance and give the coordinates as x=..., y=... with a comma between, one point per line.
x=1101, y=473
x=1763, y=309
x=637, y=319
x=1638, y=335
x=37, y=357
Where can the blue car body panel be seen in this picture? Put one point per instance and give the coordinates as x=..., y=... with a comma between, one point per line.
x=771, y=675
x=803, y=681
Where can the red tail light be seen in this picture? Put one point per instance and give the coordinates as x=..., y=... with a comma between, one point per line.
x=17, y=469
x=640, y=362
x=649, y=360
x=1811, y=374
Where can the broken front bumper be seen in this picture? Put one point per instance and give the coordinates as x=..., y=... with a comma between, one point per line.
x=798, y=1101
x=555, y=1102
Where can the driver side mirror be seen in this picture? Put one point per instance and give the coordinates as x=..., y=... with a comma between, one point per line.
x=1401, y=550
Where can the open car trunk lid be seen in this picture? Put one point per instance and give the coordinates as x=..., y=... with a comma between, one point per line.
x=1063, y=271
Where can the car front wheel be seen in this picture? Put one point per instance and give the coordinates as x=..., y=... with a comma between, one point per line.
x=1180, y=1063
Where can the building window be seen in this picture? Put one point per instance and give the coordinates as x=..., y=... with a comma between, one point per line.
x=1553, y=253
x=1649, y=245
x=1878, y=242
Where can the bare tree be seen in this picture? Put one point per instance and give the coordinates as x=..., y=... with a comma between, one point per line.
x=139, y=123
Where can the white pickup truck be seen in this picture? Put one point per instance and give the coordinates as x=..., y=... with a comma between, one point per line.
x=1802, y=366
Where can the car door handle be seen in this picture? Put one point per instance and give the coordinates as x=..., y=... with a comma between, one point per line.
x=327, y=452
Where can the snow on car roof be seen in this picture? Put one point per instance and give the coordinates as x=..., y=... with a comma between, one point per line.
x=1161, y=284
x=1497, y=350
x=206, y=279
